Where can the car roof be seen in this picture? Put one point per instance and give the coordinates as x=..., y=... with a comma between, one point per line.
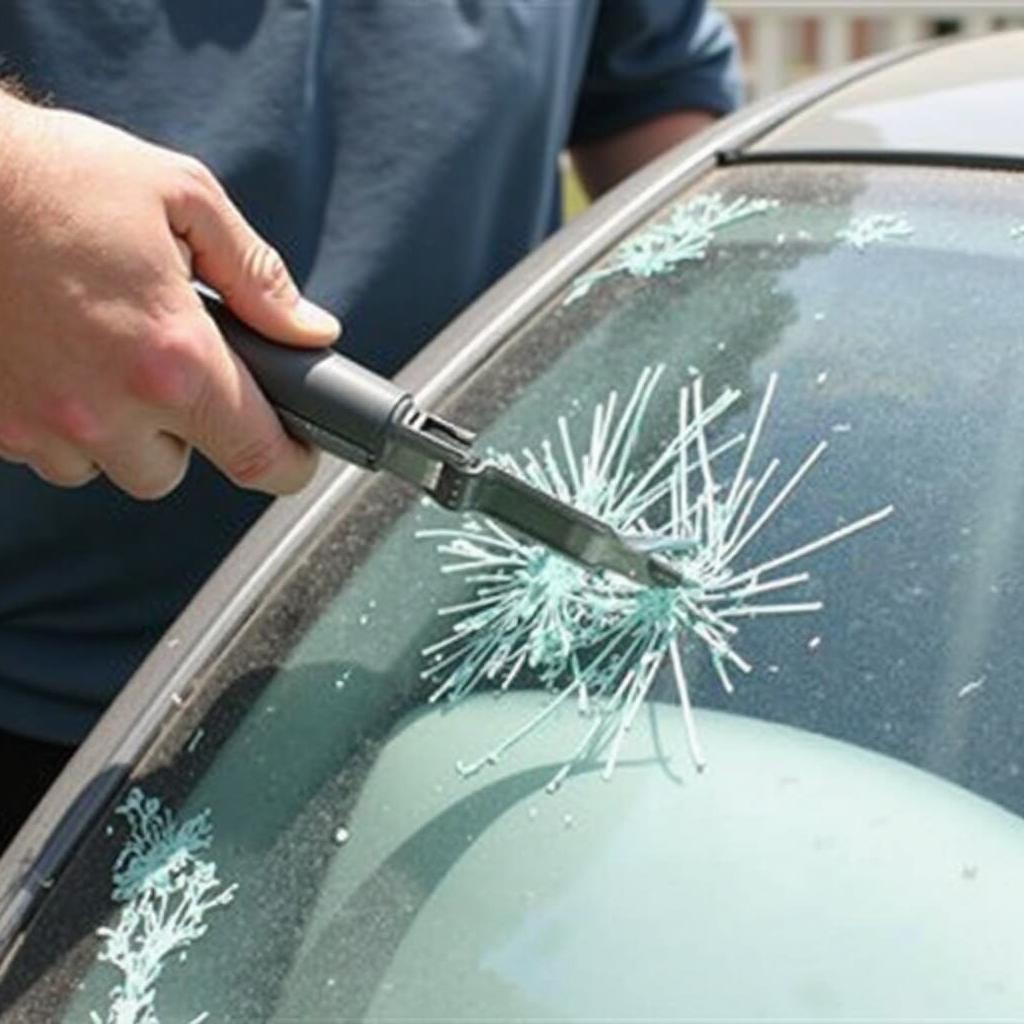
x=958, y=102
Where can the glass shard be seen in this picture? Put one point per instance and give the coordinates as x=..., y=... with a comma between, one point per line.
x=683, y=235
x=862, y=232
x=604, y=640
x=166, y=891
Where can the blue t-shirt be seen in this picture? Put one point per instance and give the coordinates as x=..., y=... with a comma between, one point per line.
x=401, y=154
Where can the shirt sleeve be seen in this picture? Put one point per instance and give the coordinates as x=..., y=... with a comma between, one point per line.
x=652, y=57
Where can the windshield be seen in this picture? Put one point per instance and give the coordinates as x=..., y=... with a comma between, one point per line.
x=443, y=775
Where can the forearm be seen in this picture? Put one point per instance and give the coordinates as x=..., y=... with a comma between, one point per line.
x=603, y=163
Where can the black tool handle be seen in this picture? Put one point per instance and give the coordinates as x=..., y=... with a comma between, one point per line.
x=323, y=397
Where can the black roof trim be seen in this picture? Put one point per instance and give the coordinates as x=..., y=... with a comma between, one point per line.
x=919, y=158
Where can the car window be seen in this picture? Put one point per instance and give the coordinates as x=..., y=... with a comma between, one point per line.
x=792, y=792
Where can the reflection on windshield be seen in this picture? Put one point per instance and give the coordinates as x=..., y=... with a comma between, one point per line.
x=800, y=855
x=851, y=851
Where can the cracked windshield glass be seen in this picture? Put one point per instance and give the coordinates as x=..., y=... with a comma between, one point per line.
x=446, y=774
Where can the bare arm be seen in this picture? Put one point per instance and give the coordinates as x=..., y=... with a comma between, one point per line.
x=603, y=163
x=108, y=362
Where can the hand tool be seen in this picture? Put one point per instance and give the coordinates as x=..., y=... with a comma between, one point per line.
x=332, y=402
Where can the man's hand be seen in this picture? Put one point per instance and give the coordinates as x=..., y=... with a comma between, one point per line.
x=108, y=362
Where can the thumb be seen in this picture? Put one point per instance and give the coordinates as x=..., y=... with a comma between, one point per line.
x=250, y=275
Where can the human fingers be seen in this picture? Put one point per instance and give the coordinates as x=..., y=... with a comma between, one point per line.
x=60, y=464
x=233, y=425
x=248, y=273
x=148, y=468
x=51, y=452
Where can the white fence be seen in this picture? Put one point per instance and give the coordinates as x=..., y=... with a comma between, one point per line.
x=783, y=42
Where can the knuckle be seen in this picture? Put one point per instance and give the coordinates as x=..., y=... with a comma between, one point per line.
x=14, y=439
x=192, y=183
x=265, y=268
x=195, y=174
x=73, y=419
x=255, y=460
x=167, y=369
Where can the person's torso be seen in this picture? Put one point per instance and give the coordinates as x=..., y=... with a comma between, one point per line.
x=401, y=155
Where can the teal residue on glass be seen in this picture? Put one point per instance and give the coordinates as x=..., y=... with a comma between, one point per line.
x=602, y=639
x=862, y=232
x=683, y=235
x=532, y=608
x=166, y=890
x=1017, y=233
